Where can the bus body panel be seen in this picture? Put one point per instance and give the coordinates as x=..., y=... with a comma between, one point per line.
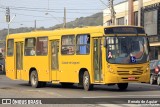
x=127, y=73
x=10, y=71
x=70, y=65
x=40, y=63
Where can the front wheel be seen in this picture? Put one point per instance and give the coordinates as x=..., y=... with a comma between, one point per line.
x=122, y=86
x=34, y=79
x=86, y=81
x=158, y=80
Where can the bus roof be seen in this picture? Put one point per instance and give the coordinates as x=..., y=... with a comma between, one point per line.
x=65, y=31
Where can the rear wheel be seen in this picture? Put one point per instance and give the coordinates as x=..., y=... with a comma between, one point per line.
x=86, y=81
x=122, y=86
x=34, y=79
x=158, y=80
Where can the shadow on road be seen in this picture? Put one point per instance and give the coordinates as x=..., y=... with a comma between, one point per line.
x=131, y=87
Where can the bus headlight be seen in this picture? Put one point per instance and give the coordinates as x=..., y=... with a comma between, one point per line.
x=111, y=70
x=147, y=69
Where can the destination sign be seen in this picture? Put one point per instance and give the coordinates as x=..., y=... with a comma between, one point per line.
x=124, y=30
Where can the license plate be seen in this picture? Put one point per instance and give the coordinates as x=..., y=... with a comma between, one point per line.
x=131, y=78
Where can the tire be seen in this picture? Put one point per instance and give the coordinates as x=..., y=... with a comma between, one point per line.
x=158, y=80
x=86, y=81
x=34, y=79
x=65, y=85
x=122, y=86
x=152, y=81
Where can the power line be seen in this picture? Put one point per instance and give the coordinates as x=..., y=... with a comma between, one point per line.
x=27, y=8
x=59, y=12
x=103, y=3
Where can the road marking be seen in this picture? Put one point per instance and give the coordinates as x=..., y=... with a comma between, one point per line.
x=130, y=96
x=50, y=93
x=118, y=105
x=155, y=85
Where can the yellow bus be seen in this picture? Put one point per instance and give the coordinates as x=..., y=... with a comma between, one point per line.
x=115, y=55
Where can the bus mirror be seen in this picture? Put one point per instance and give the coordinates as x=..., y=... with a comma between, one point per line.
x=105, y=43
x=149, y=48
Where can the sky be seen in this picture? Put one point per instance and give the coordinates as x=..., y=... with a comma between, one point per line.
x=47, y=13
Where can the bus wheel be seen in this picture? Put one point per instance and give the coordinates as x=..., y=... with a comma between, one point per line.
x=86, y=81
x=158, y=80
x=34, y=79
x=152, y=80
x=67, y=84
x=122, y=86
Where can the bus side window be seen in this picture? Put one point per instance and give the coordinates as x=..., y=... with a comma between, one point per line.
x=10, y=47
x=83, y=44
x=42, y=46
x=68, y=45
x=30, y=46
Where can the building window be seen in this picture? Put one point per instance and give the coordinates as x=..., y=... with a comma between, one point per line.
x=109, y=23
x=120, y=21
x=136, y=18
x=30, y=46
x=10, y=47
x=83, y=44
x=42, y=46
x=151, y=22
x=68, y=45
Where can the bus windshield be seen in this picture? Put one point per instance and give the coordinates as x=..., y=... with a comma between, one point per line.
x=127, y=49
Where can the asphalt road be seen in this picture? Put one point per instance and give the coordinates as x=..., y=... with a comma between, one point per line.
x=20, y=89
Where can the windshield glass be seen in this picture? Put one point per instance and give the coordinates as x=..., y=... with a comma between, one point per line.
x=127, y=49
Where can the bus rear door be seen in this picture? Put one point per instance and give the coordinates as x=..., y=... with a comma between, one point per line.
x=19, y=59
x=54, y=60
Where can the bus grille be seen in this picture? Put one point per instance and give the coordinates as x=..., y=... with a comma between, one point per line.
x=130, y=71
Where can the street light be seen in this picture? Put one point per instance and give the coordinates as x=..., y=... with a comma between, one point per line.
x=53, y=17
x=10, y=22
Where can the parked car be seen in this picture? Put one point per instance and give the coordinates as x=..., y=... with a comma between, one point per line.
x=2, y=64
x=155, y=72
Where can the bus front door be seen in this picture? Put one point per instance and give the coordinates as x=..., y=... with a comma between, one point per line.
x=97, y=60
x=19, y=59
x=54, y=60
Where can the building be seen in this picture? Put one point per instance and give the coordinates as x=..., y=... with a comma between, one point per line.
x=150, y=19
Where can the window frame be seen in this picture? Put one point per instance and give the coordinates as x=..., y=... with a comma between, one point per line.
x=119, y=20
x=43, y=47
x=12, y=48
x=30, y=47
x=78, y=35
x=74, y=44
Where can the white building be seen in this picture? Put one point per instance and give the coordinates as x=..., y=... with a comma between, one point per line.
x=150, y=19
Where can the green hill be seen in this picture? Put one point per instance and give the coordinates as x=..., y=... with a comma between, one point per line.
x=93, y=20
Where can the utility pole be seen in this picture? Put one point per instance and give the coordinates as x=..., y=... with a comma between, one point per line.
x=35, y=25
x=8, y=20
x=111, y=6
x=8, y=17
x=64, y=25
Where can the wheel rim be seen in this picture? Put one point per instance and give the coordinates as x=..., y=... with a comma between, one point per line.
x=86, y=81
x=34, y=79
